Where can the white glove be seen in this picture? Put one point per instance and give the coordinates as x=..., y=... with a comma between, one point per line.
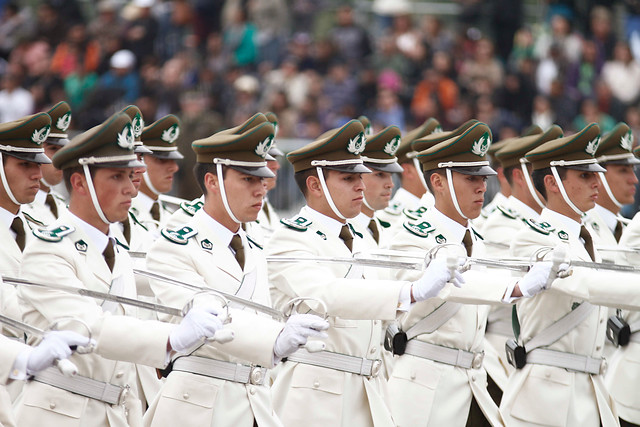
x=536, y=279
x=296, y=331
x=198, y=324
x=56, y=345
x=434, y=278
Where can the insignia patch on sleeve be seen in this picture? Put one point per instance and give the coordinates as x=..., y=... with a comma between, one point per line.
x=180, y=236
x=394, y=209
x=420, y=229
x=541, y=227
x=192, y=207
x=298, y=223
x=53, y=234
x=414, y=214
x=509, y=213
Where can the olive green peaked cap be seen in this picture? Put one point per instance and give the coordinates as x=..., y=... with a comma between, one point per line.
x=465, y=153
x=23, y=138
x=244, y=152
x=510, y=154
x=574, y=151
x=366, y=124
x=379, y=152
x=405, y=152
x=161, y=136
x=338, y=149
x=429, y=141
x=60, y=120
x=271, y=117
x=616, y=147
x=137, y=124
x=499, y=145
x=109, y=144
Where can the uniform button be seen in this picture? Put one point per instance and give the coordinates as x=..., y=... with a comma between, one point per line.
x=252, y=390
x=473, y=378
x=119, y=374
x=316, y=384
x=52, y=405
x=185, y=396
x=601, y=319
x=479, y=327
x=598, y=348
x=375, y=322
x=373, y=350
x=547, y=374
x=413, y=375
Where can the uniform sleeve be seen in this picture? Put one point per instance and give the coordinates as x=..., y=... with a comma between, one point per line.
x=9, y=352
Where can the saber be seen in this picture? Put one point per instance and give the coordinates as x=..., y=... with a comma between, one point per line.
x=67, y=367
x=621, y=249
x=366, y=262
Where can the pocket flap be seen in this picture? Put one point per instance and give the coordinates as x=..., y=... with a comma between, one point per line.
x=317, y=378
x=191, y=388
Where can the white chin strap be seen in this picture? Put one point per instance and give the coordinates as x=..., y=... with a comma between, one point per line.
x=454, y=198
x=565, y=196
x=416, y=164
x=147, y=181
x=92, y=193
x=223, y=193
x=605, y=184
x=5, y=183
x=532, y=189
x=332, y=205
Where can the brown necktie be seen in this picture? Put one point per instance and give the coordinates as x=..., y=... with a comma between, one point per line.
x=155, y=211
x=126, y=230
x=18, y=227
x=109, y=255
x=617, y=232
x=49, y=201
x=346, y=236
x=236, y=245
x=467, y=241
x=374, y=230
x=588, y=241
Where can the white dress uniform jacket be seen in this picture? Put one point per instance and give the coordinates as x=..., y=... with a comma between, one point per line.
x=39, y=210
x=307, y=395
x=198, y=253
x=141, y=208
x=69, y=252
x=402, y=200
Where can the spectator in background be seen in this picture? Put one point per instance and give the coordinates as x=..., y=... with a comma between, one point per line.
x=15, y=101
x=389, y=111
x=174, y=29
x=389, y=57
x=553, y=67
x=505, y=20
x=245, y=100
x=339, y=89
x=240, y=40
x=622, y=76
x=141, y=31
x=106, y=27
x=121, y=84
x=516, y=96
x=271, y=18
x=602, y=33
x=543, y=114
x=523, y=48
x=15, y=25
x=560, y=34
x=484, y=65
x=351, y=40
x=288, y=79
x=437, y=94
x=49, y=24
x=77, y=54
x=590, y=113
x=583, y=74
x=435, y=35
x=563, y=104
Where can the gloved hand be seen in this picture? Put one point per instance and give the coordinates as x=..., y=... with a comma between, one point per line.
x=296, y=331
x=536, y=279
x=198, y=324
x=434, y=278
x=56, y=345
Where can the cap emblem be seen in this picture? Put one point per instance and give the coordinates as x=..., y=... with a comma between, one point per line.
x=356, y=144
x=263, y=148
x=392, y=146
x=368, y=130
x=40, y=135
x=626, y=142
x=125, y=138
x=138, y=125
x=170, y=135
x=592, y=146
x=481, y=146
x=64, y=121
x=437, y=129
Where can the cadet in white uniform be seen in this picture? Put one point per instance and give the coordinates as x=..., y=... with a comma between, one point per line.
x=225, y=385
x=340, y=386
x=268, y=218
x=78, y=250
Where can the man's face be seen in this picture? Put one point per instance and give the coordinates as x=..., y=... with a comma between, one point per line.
x=161, y=172
x=582, y=188
x=378, y=189
x=23, y=178
x=114, y=189
x=622, y=181
x=273, y=166
x=346, y=190
x=244, y=194
x=137, y=176
x=470, y=191
x=50, y=173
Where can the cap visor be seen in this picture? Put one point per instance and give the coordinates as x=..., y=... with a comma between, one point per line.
x=40, y=158
x=628, y=161
x=357, y=168
x=57, y=141
x=385, y=167
x=589, y=167
x=269, y=157
x=476, y=170
x=275, y=151
x=262, y=171
x=167, y=155
x=122, y=164
x=141, y=149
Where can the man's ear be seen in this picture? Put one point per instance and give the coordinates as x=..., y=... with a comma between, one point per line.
x=79, y=183
x=438, y=182
x=550, y=184
x=211, y=182
x=314, y=187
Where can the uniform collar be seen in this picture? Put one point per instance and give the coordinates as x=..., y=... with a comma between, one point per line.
x=455, y=229
x=6, y=217
x=609, y=218
x=409, y=198
x=96, y=236
x=222, y=233
x=522, y=208
x=326, y=223
x=570, y=226
x=41, y=197
x=362, y=219
x=144, y=202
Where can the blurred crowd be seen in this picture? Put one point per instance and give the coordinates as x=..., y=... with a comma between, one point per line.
x=318, y=63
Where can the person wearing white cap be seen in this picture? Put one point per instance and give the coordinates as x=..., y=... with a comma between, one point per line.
x=121, y=76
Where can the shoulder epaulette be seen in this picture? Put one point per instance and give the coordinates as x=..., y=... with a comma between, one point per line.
x=394, y=209
x=53, y=234
x=135, y=219
x=192, y=207
x=180, y=236
x=420, y=229
x=298, y=223
x=509, y=213
x=31, y=221
x=414, y=214
x=541, y=227
x=253, y=242
x=384, y=224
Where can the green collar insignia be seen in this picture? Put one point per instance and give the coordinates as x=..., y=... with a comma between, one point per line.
x=53, y=234
x=180, y=236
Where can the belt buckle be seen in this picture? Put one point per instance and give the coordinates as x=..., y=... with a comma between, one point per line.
x=376, y=366
x=478, y=358
x=603, y=366
x=256, y=377
x=124, y=393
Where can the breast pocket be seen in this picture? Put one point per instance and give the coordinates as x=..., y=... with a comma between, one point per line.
x=50, y=406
